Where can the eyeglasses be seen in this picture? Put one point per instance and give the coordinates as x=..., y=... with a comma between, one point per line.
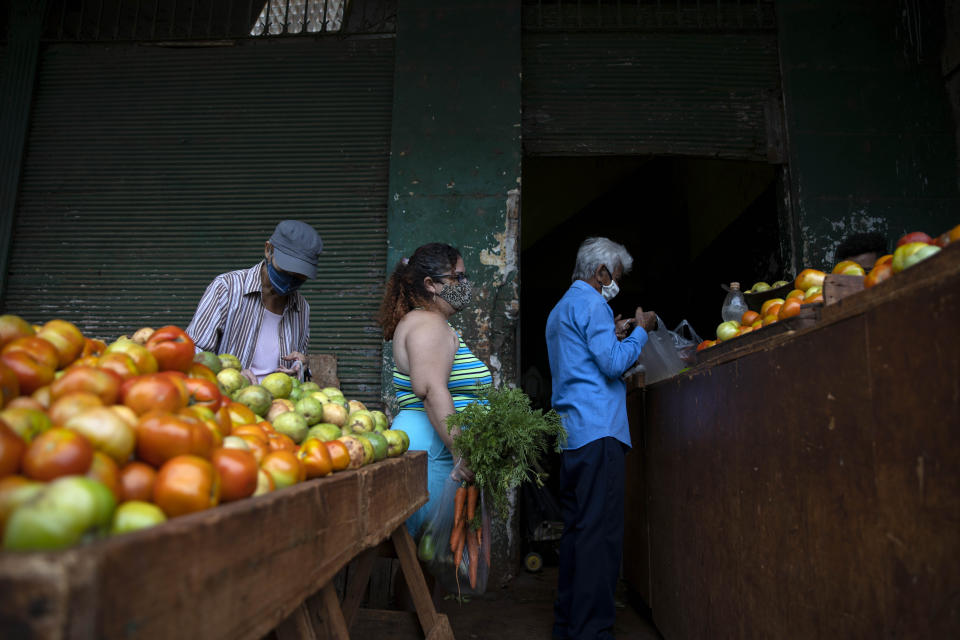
x=461, y=276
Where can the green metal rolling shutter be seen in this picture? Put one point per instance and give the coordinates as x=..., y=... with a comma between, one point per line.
x=698, y=94
x=149, y=170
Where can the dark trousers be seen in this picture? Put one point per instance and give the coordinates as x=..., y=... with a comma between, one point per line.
x=591, y=500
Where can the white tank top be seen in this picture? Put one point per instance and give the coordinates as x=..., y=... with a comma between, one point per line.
x=266, y=355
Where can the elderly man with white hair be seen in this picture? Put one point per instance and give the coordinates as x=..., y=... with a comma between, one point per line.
x=587, y=360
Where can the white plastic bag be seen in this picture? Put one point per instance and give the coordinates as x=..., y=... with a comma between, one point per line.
x=666, y=352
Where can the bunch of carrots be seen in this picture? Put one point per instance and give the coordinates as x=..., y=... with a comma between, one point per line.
x=467, y=529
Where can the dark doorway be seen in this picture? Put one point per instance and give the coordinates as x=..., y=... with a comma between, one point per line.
x=689, y=223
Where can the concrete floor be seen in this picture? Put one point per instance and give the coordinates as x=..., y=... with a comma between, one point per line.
x=524, y=611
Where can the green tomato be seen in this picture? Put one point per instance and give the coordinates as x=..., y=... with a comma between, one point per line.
x=61, y=515
x=427, y=550
x=136, y=514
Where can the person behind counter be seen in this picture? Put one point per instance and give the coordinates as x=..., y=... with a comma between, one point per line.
x=586, y=364
x=435, y=373
x=258, y=314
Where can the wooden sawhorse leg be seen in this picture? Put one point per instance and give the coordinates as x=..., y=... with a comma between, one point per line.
x=338, y=618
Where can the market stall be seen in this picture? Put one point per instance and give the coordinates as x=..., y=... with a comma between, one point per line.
x=806, y=482
x=236, y=571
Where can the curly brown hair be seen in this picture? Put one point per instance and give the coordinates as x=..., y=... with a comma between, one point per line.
x=405, y=290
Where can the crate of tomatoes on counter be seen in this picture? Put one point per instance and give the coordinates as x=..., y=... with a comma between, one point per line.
x=98, y=439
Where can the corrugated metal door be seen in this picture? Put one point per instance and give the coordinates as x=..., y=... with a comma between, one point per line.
x=635, y=93
x=149, y=170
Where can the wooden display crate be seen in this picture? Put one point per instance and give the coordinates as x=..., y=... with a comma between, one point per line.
x=837, y=286
x=809, y=316
x=232, y=572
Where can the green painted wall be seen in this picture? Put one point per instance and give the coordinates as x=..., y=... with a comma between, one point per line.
x=871, y=137
x=455, y=156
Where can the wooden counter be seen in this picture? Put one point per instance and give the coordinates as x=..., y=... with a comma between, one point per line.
x=232, y=572
x=809, y=486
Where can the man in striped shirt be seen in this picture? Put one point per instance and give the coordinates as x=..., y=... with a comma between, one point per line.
x=258, y=314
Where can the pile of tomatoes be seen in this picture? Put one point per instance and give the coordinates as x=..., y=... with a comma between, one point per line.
x=100, y=438
x=911, y=249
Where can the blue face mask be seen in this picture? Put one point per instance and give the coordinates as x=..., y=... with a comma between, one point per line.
x=282, y=283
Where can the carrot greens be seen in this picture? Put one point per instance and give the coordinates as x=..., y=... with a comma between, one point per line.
x=503, y=441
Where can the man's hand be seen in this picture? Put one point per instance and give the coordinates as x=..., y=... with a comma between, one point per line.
x=299, y=363
x=250, y=376
x=645, y=319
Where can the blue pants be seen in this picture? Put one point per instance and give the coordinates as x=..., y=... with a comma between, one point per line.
x=591, y=500
x=423, y=437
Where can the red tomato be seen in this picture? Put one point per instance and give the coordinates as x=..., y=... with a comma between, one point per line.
x=284, y=467
x=12, y=447
x=146, y=363
x=172, y=348
x=65, y=337
x=915, y=236
x=136, y=481
x=224, y=421
x=106, y=430
x=258, y=446
x=203, y=392
x=179, y=379
x=87, y=361
x=92, y=347
x=315, y=456
x=57, y=452
x=162, y=435
x=878, y=274
x=339, y=454
x=280, y=442
x=72, y=404
x=186, y=484
x=33, y=360
x=241, y=414
x=24, y=402
x=119, y=363
x=151, y=393
x=238, y=473
x=202, y=371
x=105, y=470
x=204, y=416
x=42, y=395
x=100, y=382
x=13, y=327
x=9, y=385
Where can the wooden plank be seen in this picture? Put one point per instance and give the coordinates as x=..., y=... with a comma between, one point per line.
x=297, y=626
x=357, y=586
x=407, y=554
x=380, y=623
x=837, y=286
x=235, y=571
x=336, y=626
x=810, y=487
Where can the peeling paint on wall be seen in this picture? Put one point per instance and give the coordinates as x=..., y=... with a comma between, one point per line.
x=504, y=255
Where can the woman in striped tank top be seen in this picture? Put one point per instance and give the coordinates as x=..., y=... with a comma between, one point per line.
x=435, y=374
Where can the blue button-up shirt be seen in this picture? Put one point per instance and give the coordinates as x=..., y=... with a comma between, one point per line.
x=586, y=362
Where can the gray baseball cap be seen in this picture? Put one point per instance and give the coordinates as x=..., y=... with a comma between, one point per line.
x=296, y=246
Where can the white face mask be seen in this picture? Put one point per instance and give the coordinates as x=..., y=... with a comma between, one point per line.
x=609, y=291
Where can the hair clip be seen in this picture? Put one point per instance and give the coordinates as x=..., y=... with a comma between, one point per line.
x=405, y=261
